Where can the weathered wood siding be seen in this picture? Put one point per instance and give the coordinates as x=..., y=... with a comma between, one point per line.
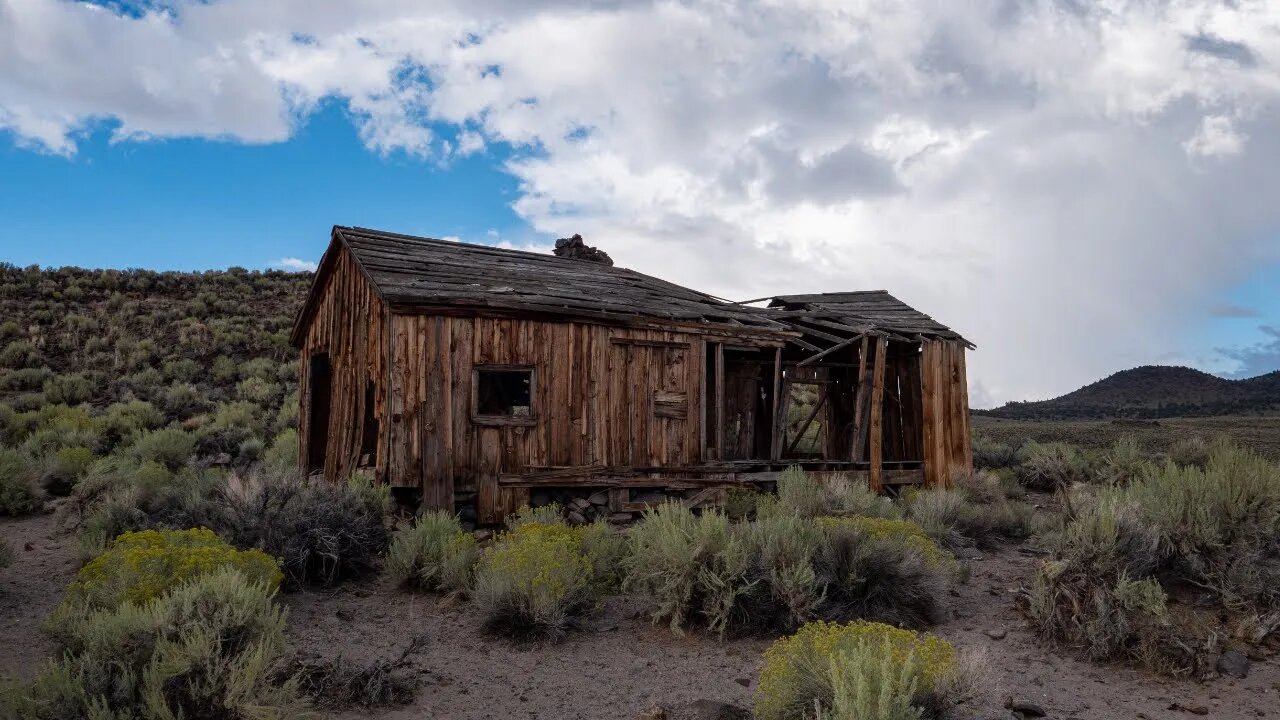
x=349, y=323
x=602, y=396
x=945, y=407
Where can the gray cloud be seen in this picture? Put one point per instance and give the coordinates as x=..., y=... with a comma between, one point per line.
x=1230, y=310
x=1236, y=52
x=1258, y=359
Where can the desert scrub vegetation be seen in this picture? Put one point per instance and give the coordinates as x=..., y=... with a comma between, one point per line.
x=165, y=368
x=1126, y=553
x=979, y=509
x=1052, y=466
x=209, y=647
x=861, y=671
x=322, y=533
x=534, y=582
x=141, y=566
x=783, y=569
x=434, y=553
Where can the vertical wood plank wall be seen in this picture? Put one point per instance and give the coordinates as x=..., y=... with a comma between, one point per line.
x=945, y=407
x=594, y=391
x=349, y=324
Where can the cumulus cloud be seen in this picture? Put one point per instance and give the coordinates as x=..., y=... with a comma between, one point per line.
x=295, y=264
x=1257, y=359
x=1063, y=182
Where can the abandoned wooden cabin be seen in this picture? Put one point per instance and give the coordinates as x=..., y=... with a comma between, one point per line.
x=475, y=376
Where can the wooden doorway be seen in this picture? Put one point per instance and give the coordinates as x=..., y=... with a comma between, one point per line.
x=318, y=399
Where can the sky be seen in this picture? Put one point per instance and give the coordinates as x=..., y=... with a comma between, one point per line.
x=1077, y=187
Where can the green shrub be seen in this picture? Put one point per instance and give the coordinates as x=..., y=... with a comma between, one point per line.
x=992, y=454
x=170, y=447
x=19, y=354
x=882, y=570
x=534, y=582
x=141, y=566
x=210, y=648
x=322, y=532
x=1124, y=463
x=971, y=513
x=549, y=514
x=858, y=671
x=692, y=566
x=433, y=554
x=64, y=470
x=18, y=492
x=740, y=502
x=182, y=400
x=1051, y=466
x=852, y=497
x=27, y=379
x=258, y=391
x=801, y=493
x=118, y=496
x=282, y=454
x=1193, y=451
x=71, y=389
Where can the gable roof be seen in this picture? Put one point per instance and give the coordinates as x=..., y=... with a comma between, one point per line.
x=867, y=311
x=411, y=273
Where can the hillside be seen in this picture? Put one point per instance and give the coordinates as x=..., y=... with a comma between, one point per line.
x=1154, y=391
x=96, y=359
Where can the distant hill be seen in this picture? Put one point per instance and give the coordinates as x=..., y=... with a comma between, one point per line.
x=1154, y=391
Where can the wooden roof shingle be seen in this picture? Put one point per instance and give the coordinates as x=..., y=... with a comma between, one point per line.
x=867, y=311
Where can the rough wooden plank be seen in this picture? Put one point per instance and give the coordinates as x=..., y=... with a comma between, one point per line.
x=877, y=411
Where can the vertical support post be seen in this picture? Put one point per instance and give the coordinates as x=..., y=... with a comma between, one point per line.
x=875, y=430
x=719, y=401
x=702, y=402
x=775, y=427
x=859, y=444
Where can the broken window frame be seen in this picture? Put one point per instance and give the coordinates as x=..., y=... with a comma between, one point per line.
x=489, y=418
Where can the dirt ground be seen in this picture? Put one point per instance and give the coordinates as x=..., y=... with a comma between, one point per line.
x=623, y=666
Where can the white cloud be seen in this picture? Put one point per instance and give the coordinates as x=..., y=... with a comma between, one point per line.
x=295, y=264
x=1029, y=172
x=1217, y=137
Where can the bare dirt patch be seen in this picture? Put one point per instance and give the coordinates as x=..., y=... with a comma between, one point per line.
x=622, y=666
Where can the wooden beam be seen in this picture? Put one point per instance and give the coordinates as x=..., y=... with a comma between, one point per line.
x=838, y=346
x=719, y=400
x=775, y=439
x=808, y=421
x=877, y=411
x=860, y=404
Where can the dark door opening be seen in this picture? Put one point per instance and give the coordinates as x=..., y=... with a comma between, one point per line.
x=369, y=428
x=318, y=391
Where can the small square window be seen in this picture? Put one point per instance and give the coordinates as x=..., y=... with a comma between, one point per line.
x=503, y=394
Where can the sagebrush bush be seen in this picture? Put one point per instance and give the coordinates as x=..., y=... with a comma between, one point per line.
x=973, y=512
x=209, y=648
x=322, y=532
x=549, y=514
x=1192, y=451
x=433, y=554
x=1124, y=463
x=801, y=493
x=141, y=566
x=845, y=496
x=857, y=671
x=171, y=447
x=119, y=495
x=888, y=573
x=1051, y=466
x=18, y=492
x=692, y=566
x=784, y=569
x=993, y=454
x=533, y=582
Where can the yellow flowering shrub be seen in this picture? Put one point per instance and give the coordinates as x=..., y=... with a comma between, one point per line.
x=141, y=566
x=533, y=581
x=903, y=531
x=805, y=668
